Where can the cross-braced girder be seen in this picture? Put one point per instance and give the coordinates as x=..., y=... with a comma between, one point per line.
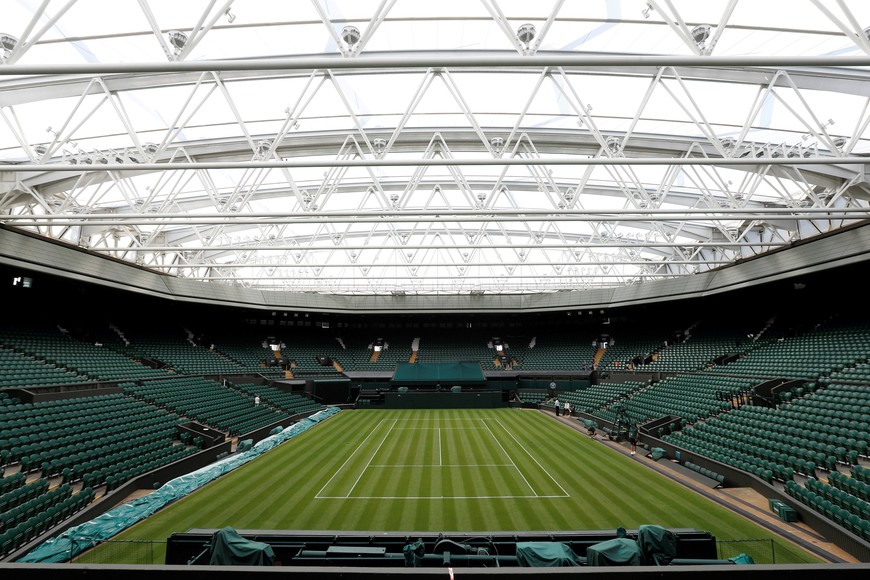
x=562, y=148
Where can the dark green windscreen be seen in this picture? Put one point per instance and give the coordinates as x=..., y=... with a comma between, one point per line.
x=447, y=374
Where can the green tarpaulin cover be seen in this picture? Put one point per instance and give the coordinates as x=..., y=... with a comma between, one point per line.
x=414, y=553
x=228, y=548
x=544, y=554
x=657, y=545
x=77, y=539
x=615, y=552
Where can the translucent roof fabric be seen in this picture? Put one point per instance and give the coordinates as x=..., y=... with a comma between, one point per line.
x=407, y=147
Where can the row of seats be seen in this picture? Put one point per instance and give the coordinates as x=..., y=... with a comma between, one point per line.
x=23, y=494
x=208, y=402
x=33, y=506
x=850, y=485
x=86, y=361
x=705, y=471
x=13, y=538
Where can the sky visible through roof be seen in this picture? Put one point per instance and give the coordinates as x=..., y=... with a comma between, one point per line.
x=407, y=147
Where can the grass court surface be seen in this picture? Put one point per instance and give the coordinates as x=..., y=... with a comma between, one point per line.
x=453, y=470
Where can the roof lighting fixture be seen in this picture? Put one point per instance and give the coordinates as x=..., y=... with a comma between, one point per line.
x=177, y=39
x=701, y=33
x=526, y=33
x=614, y=145
x=7, y=45
x=379, y=144
x=8, y=42
x=350, y=35
x=263, y=148
x=497, y=145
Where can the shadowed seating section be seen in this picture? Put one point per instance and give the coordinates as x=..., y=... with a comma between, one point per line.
x=603, y=394
x=836, y=504
x=20, y=369
x=822, y=350
x=696, y=349
x=440, y=347
x=208, y=402
x=92, y=440
x=690, y=397
x=811, y=432
x=547, y=351
x=290, y=403
x=179, y=352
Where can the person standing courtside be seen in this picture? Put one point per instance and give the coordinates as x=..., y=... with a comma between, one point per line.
x=632, y=437
x=556, y=405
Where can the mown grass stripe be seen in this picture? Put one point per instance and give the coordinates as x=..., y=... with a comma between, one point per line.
x=605, y=489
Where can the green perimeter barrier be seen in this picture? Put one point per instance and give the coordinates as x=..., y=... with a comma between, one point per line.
x=85, y=536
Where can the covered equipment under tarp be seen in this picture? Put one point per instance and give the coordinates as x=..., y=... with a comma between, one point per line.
x=615, y=552
x=543, y=554
x=658, y=546
x=228, y=548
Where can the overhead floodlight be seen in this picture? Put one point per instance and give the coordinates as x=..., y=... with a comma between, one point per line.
x=614, y=144
x=526, y=33
x=350, y=35
x=230, y=16
x=40, y=149
x=263, y=148
x=177, y=39
x=701, y=33
x=8, y=42
x=379, y=144
x=497, y=145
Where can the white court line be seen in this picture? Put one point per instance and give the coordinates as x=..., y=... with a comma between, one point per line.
x=401, y=465
x=444, y=497
x=450, y=420
x=351, y=456
x=350, y=491
x=440, y=461
x=436, y=428
x=533, y=458
x=509, y=457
